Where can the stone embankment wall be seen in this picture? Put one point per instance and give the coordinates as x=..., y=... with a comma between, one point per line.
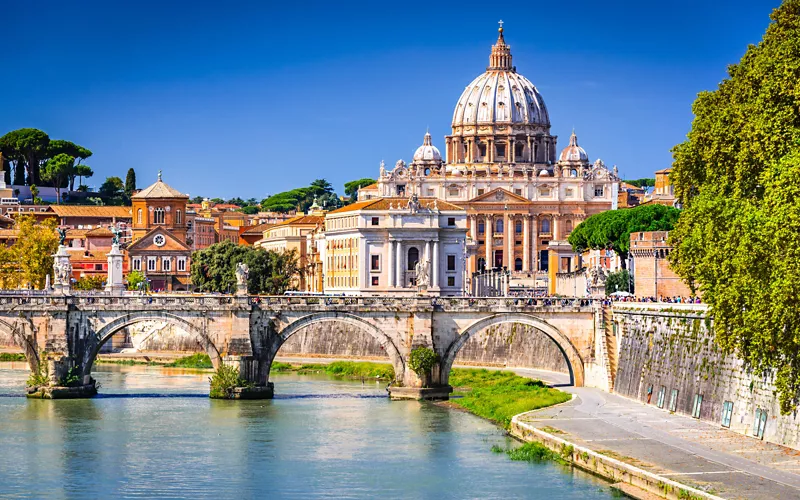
x=671, y=347
x=512, y=345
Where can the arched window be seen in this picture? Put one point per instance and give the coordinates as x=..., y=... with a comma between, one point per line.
x=518, y=226
x=498, y=227
x=413, y=258
x=481, y=264
x=139, y=216
x=177, y=216
x=545, y=227
x=568, y=226
x=518, y=264
x=158, y=216
x=481, y=227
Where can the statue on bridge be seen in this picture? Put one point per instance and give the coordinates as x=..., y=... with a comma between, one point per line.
x=115, y=231
x=422, y=274
x=62, y=235
x=242, y=273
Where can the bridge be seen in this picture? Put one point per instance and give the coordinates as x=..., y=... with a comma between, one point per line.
x=67, y=331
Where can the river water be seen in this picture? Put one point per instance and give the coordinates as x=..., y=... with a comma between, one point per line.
x=153, y=432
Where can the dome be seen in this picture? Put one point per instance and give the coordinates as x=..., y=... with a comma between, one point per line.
x=544, y=173
x=427, y=152
x=573, y=152
x=501, y=95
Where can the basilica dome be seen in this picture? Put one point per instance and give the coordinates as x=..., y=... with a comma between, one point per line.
x=573, y=152
x=501, y=95
x=427, y=152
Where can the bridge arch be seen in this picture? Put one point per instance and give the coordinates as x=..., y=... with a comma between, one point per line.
x=342, y=317
x=16, y=332
x=568, y=350
x=108, y=330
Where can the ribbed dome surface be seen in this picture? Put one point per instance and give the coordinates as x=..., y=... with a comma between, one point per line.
x=427, y=152
x=573, y=152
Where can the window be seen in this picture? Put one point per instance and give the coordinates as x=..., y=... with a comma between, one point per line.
x=137, y=263
x=569, y=192
x=481, y=227
x=498, y=226
x=661, y=395
x=401, y=190
x=481, y=264
x=501, y=150
x=451, y=221
x=181, y=263
x=481, y=191
x=451, y=281
x=698, y=402
x=451, y=262
x=413, y=258
x=598, y=191
x=673, y=400
x=375, y=281
x=151, y=263
x=375, y=262
x=482, y=150
x=453, y=191
x=727, y=412
x=98, y=267
x=431, y=192
x=158, y=216
x=139, y=216
x=569, y=226
x=545, y=229
x=518, y=227
x=544, y=192
x=376, y=221
x=518, y=264
x=178, y=217
x=166, y=264
x=518, y=192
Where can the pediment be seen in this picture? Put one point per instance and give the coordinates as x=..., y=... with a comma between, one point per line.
x=148, y=242
x=501, y=196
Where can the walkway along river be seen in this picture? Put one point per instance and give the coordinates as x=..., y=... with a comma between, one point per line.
x=154, y=432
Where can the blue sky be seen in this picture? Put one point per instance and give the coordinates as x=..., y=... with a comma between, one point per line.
x=245, y=99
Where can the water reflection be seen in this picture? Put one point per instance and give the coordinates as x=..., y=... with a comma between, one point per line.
x=154, y=434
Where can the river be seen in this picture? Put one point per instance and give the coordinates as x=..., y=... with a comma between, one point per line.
x=153, y=432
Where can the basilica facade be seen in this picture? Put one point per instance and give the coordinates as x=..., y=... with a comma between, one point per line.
x=502, y=166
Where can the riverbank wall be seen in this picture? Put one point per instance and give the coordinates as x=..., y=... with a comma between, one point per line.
x=609, y=468
x=668, y=357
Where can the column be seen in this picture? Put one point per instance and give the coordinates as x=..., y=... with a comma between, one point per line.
x=556, y=228
x=526, y=243
x=435, y=266
x=510, y=154
x=399, y=265
x=489, y=234
x=508, y=257
x=390, y=266
x=473, y=227
x=535, y=244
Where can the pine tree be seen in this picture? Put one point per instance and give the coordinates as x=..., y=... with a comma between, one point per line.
x=130, y=183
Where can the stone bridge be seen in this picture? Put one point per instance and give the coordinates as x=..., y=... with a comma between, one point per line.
x=247, y=331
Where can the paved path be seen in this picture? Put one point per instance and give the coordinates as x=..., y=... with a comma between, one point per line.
x=684, y=449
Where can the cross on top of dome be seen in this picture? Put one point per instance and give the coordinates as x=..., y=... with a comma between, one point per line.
x=500, y=59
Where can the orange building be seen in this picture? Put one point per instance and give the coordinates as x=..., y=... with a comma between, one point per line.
x=653, y=276
x=159, y=248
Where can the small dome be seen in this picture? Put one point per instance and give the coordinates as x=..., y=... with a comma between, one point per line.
x=544, y=173
x=573, y=152
x=427, y=152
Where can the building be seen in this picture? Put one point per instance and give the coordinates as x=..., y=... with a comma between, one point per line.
x=200, y=232
x=291, y=236
x=375, y=246
x=630, y=195
x=249, y=235
x=88, y=252
x=652, y=275
x=159, y=248
x=502, y=166
x=664, y=192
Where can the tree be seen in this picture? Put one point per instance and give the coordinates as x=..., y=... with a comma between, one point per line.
x=642, y=183
x=30, y=145
x=34, y=248
x=57, y=170
x=82, y=171
x=351, y=188
x=320, y=186
x=214, y=268
x=612, y=229
x=9, y=272
x=619, y=281
x=286, y=201
x=79, y=153
x=196, y=200
x=249, y=210
x=88, y=283
x=135, y=280
x=112, y=189
x=130, y=183
x=736, y=240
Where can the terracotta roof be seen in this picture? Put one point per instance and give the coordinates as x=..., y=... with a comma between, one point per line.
x=374, y=185
x=664, y=170
x=8, y=233
x=159, y=190
x=257, y=229
x=92, y=211
x=398, y=203
x=100, y=232
x=302, y=219
x=226, y=206
x=625, y=185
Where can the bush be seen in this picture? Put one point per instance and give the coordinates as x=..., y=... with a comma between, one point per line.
x=41, y=376
x=422, y=360
x=225, y=379
x=199, y=360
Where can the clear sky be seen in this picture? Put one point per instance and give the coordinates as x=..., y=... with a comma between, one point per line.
x=250, y=98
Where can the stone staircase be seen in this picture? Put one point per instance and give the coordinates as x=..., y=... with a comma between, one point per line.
x=607, y=346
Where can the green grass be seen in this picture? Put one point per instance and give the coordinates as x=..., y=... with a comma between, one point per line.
x=12, y=356
x=499, y=395
x=344, y=369
x=199, y=360
x=126, y=362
